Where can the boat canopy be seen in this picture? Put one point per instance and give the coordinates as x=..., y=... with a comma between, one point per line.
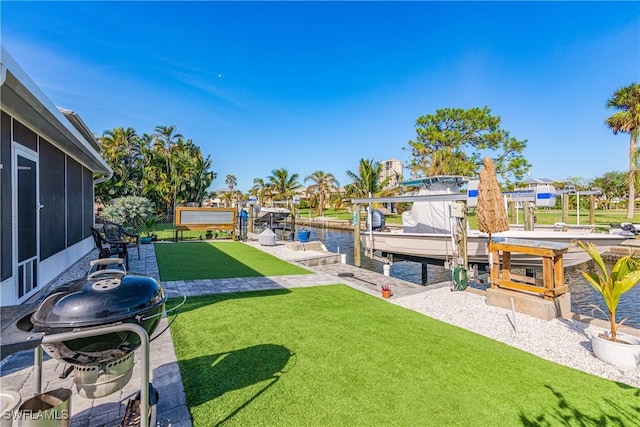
x=431, y=216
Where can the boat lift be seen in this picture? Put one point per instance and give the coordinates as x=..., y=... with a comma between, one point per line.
x=357, y=202
x=541, y=196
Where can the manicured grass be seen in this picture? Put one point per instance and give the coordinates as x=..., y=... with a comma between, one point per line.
x=333, y=356
x=218, y=260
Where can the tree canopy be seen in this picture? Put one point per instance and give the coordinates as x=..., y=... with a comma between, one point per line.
x=324, y=184
x=453, y=141
x=163, y=167
x=282, y=185
x=366, y=182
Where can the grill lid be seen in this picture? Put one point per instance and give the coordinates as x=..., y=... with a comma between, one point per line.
x=100, y=301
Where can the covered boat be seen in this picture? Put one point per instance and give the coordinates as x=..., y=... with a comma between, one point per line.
x=433, y=230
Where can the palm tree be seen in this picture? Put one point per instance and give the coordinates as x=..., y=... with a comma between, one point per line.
x=366, y=183
x=259, y=189
x=627, y=120
x=283, y=186
x=231, y=182
x=165, y=138
x=123, y=150
x=325, y=185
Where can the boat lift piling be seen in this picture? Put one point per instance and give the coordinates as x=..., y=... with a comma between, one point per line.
x=461, y=258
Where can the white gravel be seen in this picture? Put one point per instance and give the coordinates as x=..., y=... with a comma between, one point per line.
x=563, y=341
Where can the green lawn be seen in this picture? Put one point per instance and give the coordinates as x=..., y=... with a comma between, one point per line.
x=218, y=260
x=333, y=356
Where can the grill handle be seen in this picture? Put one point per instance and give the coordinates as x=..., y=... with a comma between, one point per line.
x=184, y=299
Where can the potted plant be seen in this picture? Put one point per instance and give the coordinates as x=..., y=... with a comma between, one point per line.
x=149, y=224
x=386, y=291
x=209, y=234
x=620, y=350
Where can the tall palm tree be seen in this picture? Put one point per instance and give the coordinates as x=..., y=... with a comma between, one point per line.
x=203, y=178
x=283, y=186
x=366, y=182
x=165, y=139
x=231, y=182
x=259, y=189
x=627, y=120
x=324, y=185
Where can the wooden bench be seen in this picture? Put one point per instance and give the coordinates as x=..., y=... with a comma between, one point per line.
x=206, y=219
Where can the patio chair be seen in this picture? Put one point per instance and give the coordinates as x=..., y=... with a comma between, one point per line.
x=113, y=231
x=108, y=248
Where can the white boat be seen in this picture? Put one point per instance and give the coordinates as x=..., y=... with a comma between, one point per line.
x=440, y=246
x=432, y=231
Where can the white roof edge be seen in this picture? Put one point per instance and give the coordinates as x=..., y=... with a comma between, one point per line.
x=77, y=122
x=8, y=64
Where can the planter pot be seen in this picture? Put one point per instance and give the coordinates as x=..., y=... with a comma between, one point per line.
x=626, y=356
x=386, y=294
x=145, y=240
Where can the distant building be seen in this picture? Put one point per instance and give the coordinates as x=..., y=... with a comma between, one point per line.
x=392, y=169
x=532, y=183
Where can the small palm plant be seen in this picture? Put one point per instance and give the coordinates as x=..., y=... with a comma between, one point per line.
x=624, y=275
x=149, y=224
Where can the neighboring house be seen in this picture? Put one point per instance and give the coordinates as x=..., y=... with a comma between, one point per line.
x=48, y=161
x=532, y=183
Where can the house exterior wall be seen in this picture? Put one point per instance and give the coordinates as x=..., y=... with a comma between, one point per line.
x=65, y=193
x=48, y=161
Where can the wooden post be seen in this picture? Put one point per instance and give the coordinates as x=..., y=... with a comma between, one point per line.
x=356, y=236
x=463, y=236
x=528, y=216
x=252, y=217
x=513, y=212
x=494, y=265
x=565, y=207
x=558, y=272
x=592, y=209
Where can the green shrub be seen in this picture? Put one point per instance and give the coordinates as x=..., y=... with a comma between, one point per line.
x=130, y=211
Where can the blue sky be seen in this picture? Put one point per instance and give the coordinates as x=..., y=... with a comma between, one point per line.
x=312, y=86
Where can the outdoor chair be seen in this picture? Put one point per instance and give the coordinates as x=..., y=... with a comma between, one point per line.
x=116, y=232
x=108, y=248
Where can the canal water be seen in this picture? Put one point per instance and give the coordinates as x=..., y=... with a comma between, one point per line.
x=583, y=296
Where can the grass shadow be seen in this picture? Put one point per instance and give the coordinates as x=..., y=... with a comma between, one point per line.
x=567, y=415
x=212, y=376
